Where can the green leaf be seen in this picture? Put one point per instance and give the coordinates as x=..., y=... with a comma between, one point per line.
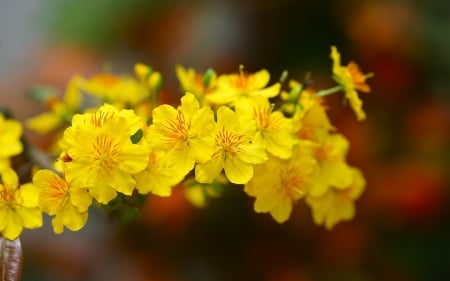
x=137, y=136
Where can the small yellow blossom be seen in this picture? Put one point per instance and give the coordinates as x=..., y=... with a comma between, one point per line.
x=337, y=204
x=18, y=205
x=313, y=123
x=61, y=112
x=273, y=131
x=185, y=133
x=121, y=91
x=234, y=86
x=278, y=184
x=199, y=194
x=193, y=82
x=234, y=152
x=332, y=170
x=298, y=99
x=67, y=203
x=100, y=154
x=159, y=177
x=351, y=79
x=10, y=133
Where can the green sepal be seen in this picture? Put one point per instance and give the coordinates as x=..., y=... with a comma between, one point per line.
x=208, y=76
x=41, y=93
x=137, y=136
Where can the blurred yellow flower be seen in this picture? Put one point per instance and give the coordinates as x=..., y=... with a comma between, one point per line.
x=332, y=170
x=159, y=177
x=193, y=82
x=337, y=204
x=233, y=86
x=121, y=91
x=234, y=152
x=184, y=133
x=313, y=123
x=18, y=205
x=10, y=144
x=67, y=203
x=274, y=132
x=351, y=79
x=278, y=184
x=61, y=112
x=100, y=154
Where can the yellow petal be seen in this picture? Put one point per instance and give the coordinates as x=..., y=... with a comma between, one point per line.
x=102, y=193
x=45, y=123
x=269, y=92
x=31, y=217
x=80, y=198
x=237, y=171
x=207, y=172
x=73, y=219
x=122, y=182
x=282, y=211
x=9, y=178
x=30, y=195
x=13, y=226
x=189, y=105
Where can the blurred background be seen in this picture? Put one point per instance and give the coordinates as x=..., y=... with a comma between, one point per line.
x=401, y=230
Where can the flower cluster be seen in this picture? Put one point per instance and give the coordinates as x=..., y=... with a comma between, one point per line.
x=118, y=141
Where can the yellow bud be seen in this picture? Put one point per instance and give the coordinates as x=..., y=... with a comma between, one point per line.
x=142, y=71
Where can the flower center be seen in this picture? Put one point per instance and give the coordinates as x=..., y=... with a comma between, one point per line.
x=240, y=81
x=100, y=118
x=7, y=195
x=229, y=143
x=56, y=195
x=323, y=152
x=176, y=131
x=262, y=117
x=106, y=154
x=292, y=183
x=357, y=77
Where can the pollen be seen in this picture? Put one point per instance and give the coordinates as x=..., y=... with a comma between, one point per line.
x=7, y=195
x=229, y=143
x=106, y=153
x=240, y=81
x=57, y=192
x=262, y=117
x=100, y=118
x=176, y=131
x=357, y=77
x=292, y=182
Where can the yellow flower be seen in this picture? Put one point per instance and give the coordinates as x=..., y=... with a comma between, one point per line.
x=185, y=133
x=337, y=204
x=313, y=123
x=18, y=205
x=100, y=155
x=193, y=82
x=121, y=91
x=332, y=170
x=274, y=132
x=60, y=111
x=233, y=86
x=152, y=79
x=351, y=79
x=10, y=144
x=159, y=177
x=199, y=194
x=67, y=203
x=234, y=152
x=278, y=184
